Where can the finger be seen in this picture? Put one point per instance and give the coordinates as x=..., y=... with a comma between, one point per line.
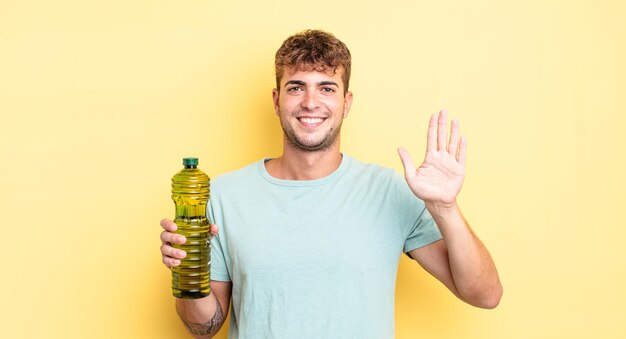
x=172, y=238
x=170, y=262
x=431, y=138
x=454, y=138
x=169, y=225
x=462, y=151
x=172, y=252
x=214, y=229
x=407, y=163
x=442, y=133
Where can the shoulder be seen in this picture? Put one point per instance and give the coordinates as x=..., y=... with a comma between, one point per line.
x=236, y=179
x=380, y=179
x=370, y=171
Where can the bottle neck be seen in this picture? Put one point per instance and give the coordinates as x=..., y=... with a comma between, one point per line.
x=191, y=211
x=190, y=166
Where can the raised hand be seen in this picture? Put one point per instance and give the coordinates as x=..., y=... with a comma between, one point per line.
x=439, y=178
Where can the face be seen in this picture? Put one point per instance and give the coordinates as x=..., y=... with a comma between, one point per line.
x=311, y=106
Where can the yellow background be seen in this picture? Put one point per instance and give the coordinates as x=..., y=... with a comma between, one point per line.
x=100, y=100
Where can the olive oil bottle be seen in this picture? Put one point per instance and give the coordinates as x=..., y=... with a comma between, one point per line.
x=190, y=192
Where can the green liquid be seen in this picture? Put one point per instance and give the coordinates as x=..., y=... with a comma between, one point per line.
x=190, y=192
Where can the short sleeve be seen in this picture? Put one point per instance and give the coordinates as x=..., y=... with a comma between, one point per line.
x=419, y=227
x=424, y=232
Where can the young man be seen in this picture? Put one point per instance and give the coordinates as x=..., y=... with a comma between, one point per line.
x=310, y=241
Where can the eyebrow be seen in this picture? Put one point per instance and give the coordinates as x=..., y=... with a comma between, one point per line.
x=302, y=83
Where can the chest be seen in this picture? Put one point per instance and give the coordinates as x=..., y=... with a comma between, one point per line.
x=313, y=235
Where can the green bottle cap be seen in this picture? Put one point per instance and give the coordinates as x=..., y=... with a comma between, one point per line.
x=190, y=161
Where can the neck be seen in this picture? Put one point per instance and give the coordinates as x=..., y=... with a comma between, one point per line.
x=299, y=165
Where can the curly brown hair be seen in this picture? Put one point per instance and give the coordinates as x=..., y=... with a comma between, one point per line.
x=313, y=50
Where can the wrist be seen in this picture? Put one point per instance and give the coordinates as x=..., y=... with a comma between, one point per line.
x=442, y=209
x=447, y=216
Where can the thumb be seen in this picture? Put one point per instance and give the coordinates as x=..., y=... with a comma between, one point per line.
x=214, y=229
x=409, y=169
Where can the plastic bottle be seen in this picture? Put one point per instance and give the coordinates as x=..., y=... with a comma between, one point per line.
x=190, y=192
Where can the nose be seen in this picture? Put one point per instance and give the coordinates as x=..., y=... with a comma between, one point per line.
x=309, y=101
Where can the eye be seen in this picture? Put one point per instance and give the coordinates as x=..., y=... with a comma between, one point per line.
x=295, y=89
x=328, y=90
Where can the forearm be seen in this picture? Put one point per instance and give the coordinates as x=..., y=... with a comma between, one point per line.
x=473, y=270
x=202, y=317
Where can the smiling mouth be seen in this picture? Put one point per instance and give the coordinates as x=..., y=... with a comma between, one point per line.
x=311, y=121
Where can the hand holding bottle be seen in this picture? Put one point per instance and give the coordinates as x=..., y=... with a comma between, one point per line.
x=170, y=255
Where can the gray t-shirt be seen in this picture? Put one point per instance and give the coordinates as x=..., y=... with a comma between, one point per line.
x=314, y=258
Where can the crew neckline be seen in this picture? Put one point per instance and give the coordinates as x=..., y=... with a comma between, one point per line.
x=343, y=166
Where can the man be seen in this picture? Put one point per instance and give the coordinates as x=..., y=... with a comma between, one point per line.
x=310, y=241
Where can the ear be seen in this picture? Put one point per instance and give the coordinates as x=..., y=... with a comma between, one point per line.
x=347, y=104
x=275, y=97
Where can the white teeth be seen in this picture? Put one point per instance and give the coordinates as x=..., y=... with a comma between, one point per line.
x=311, y=120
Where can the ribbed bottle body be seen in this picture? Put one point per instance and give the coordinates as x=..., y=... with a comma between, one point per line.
x=190, y=192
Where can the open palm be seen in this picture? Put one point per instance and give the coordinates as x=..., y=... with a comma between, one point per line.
x=440, y=177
